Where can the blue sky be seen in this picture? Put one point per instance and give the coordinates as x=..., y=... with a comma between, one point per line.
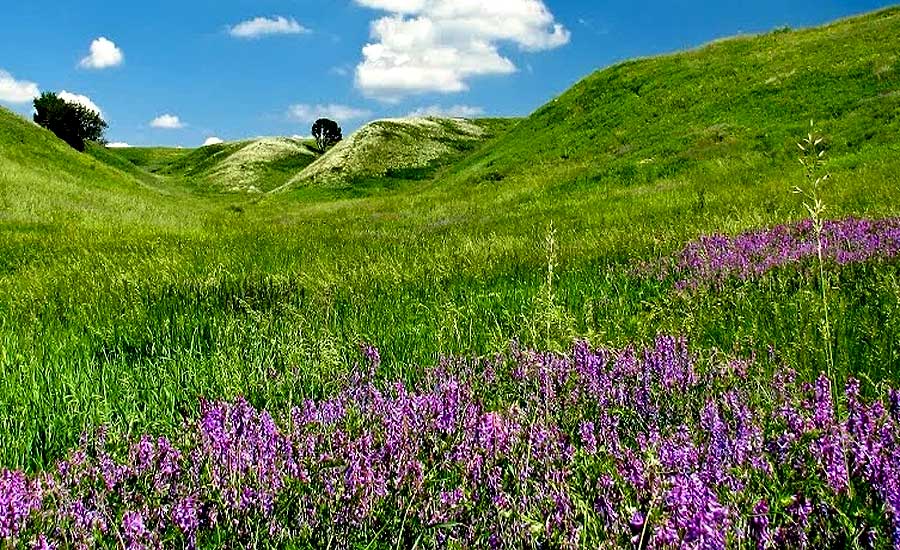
x=243, y=68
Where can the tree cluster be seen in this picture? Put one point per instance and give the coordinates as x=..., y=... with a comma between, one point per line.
x=71, y=122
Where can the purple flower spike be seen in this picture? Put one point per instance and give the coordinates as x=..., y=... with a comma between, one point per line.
x=588, y=439
x=894, y=400
x=759, y=526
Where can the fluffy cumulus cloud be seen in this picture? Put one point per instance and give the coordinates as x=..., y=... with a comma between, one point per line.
x=16, y=91
x=340, y=113
x=167, y=122
x=118, y=145
x=456, y=111
x=84, y=100
x=438, y=45
x=212, y=141
x=265, y=26
x=104, y=54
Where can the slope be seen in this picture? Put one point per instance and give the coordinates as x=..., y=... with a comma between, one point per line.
x=246, y=166
x=736, y=107
x=399, y=149
x=45, y=183
x=153, y=160
x=249, y=166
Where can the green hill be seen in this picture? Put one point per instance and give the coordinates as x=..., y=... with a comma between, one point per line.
x=399, y=149
x=153, y=160
x=250, y=166
x=246, y=166
x=745, y=99
x=45, y=183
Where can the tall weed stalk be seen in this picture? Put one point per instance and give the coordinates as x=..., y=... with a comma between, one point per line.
x=812, y=158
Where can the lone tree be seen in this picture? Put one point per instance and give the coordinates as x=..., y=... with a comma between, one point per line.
x=327, y=133
x=71, y=122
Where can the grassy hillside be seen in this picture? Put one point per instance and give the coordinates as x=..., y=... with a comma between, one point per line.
x=123, y=301
x=399, y=149
x=247, y=166
x=154, y=160
x=46, y=184
x=250, y=166
x=747, y=97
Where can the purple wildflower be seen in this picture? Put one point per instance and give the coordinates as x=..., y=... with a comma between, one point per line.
x=19, y=498
x=694, y=516
x=636, y=524
x=186, y=515
x=759, y=526
x=459, y=457
x=894, y=400
x=372, y=356
x=133, y=524
x=716, y=258
x=588, y=438
x=42, y=543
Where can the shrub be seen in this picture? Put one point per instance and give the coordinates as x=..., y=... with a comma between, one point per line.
x=71, y=122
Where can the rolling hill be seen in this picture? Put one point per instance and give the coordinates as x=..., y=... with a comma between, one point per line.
x=45, y=183
x=249, y=166
x=400, y=149
x=746, y=98
x=637, y=122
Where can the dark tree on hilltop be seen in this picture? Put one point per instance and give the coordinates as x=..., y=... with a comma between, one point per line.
x=71, y=122
x=327, y=133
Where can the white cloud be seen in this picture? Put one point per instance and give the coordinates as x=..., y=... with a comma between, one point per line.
x=299, y=137
x=340, y=113
x=438, y=45
x=167, y=122
x=212, y=141
x=456, y=111
x=118, y=145
x=80, y=100
x=16, y=91
x=104, y=54
x=263, y=26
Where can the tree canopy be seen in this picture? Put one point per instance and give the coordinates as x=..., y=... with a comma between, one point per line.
x=326, y=133
x=71, y=122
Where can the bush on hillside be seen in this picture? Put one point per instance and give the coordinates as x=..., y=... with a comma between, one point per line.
x=71, y=122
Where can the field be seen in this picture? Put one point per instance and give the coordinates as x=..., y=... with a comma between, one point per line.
x=140, y=293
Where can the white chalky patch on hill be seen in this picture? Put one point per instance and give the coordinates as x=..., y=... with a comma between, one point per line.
x=383, y=145
x=242, y=168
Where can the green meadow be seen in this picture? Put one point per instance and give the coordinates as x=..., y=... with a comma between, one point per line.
x=135, y=282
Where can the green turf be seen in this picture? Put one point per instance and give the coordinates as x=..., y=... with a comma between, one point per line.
x=129, y=287
x=155, y=160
